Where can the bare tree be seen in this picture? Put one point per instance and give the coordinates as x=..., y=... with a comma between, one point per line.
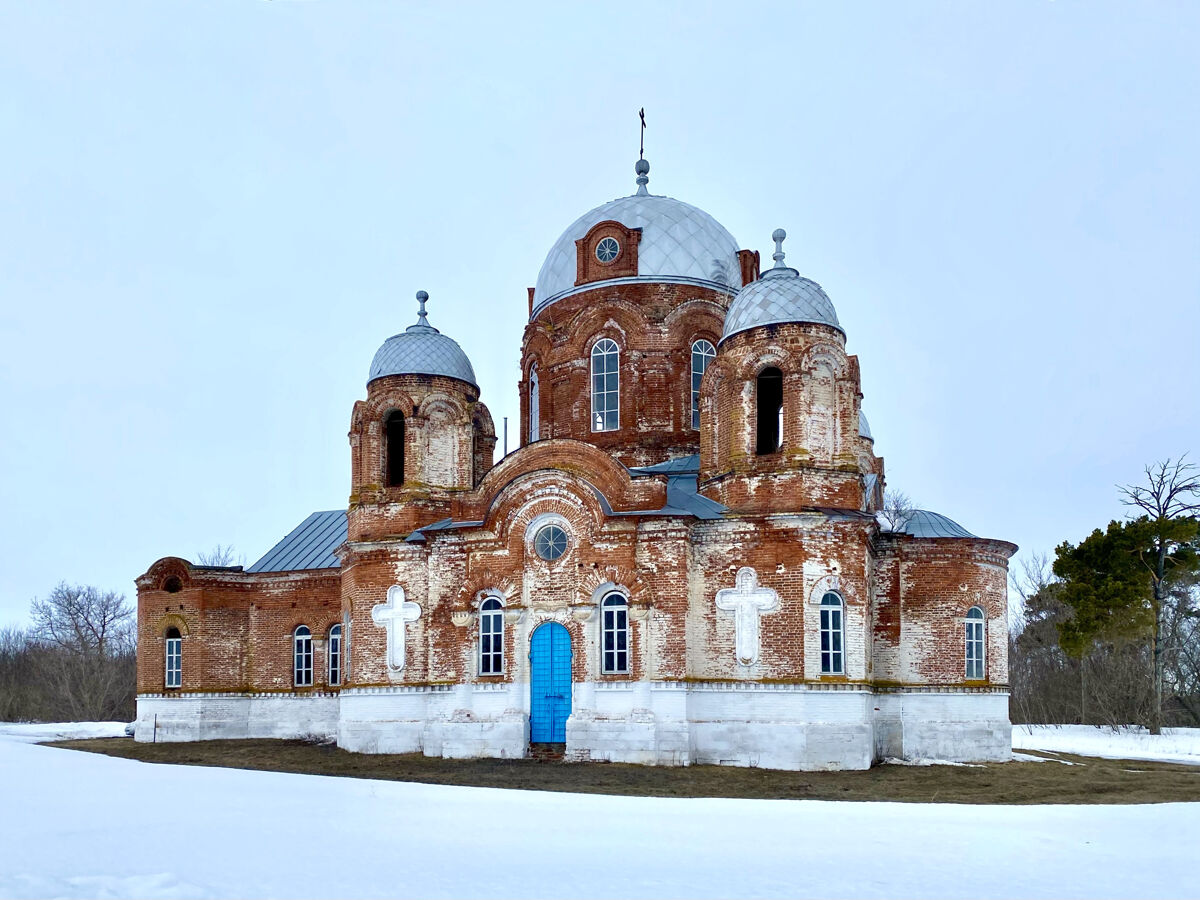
x=1170, y=499
x=220, y=555
x=86, y=643
x=897, y=510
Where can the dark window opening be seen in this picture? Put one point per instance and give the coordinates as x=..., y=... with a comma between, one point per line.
x=770, y=411
x=173, y=585
x=394, y=444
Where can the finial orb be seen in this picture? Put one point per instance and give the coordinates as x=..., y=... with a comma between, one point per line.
x=778, y=234
x=422, y=295
x=642, y=167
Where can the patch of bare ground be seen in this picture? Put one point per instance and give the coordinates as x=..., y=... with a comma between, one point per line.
x=1088, y=780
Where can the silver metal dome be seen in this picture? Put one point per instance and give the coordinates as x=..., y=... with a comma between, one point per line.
x=780, y=295
x=422, y=350
x=679, y=243
x=864, y=427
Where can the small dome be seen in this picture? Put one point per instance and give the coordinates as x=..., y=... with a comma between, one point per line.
x=679, y=243
x=422, y=350
x=923, y=523
x=864, y=427
x=780, y=295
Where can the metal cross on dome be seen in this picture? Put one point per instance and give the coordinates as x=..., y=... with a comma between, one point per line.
x=642, y=141
x=747, y=601
x=393, y=615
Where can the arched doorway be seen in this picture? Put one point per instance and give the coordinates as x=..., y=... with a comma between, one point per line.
x=549, y=684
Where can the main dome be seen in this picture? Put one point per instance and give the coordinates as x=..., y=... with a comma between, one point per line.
x=422, y=350
x=679, y=243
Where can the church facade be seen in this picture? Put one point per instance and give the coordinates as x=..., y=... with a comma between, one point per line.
x=685, y=561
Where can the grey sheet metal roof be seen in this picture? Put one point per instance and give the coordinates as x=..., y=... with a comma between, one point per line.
x=422, y=350
x=864, y=427
x=310, y=545
x=780, y=295
x=678, y=240
x=679, y=465
x=925, y=524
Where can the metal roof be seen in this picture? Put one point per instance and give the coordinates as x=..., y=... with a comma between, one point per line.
x=864, y=427
x=422, y=353
x=422, y=350
x=681, y=464
x=678, y=241
x=780, y=295
x=310, y=545
x=925, y=524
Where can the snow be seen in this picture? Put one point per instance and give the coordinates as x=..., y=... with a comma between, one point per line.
x=1177, y=745
x=95, y=826
x=35, y=732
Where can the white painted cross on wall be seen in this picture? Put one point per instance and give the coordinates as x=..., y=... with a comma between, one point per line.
x=747, y=601
x=393, y=615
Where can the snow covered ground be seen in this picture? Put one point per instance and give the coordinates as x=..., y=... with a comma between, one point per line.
x=1178, y=745
x=84, y=825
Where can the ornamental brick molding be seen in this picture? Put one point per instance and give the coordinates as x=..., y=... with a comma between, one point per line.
x=392, y=615
x=747, y=600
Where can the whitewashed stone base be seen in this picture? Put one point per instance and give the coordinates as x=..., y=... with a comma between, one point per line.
x=959, y=727
x=800, y=727
x=201, y=717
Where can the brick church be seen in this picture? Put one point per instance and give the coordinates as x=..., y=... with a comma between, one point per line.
x=685, y=561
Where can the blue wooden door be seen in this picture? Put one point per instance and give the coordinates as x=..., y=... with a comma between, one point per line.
x=549, y=684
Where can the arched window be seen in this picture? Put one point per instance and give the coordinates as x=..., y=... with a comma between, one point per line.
x=615, y=638
x=393, y=428
x=174, y=652
x=535, y=406
x=302, y=657
x=335, y=655
x=833, y=637
x=769, y=399
x=491, y=637
x=606, y=385
x=702, y=354
x=975, y=645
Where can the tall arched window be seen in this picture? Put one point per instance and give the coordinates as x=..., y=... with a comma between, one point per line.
x=615, y=638
x=491, y=637
x=302, y=657
x=173, y=677
x=606, y=386
x=335, y=655
x=702, y=354
x=535, y=406
x=833, y=636
x=393, y=428
x=975, y=644
x=769, y=399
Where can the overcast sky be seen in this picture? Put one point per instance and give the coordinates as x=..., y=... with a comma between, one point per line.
x=212, y=214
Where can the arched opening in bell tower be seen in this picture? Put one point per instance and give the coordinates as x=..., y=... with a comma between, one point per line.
x=769, y=400
x=393, y=451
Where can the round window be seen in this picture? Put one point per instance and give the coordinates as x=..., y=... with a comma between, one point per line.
x=550, y=542
x=607, y=250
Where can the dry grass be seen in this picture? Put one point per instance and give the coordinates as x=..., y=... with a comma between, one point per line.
x=1088, y=781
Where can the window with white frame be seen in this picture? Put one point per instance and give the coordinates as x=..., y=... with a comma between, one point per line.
x=975, y=645
x=615, y=638
x=535, y=406
x=703, y=353
x=491, y=637
x=335, y=655
x=174, y=650
x=302, y=657
x=833, y=636
x=606, y=385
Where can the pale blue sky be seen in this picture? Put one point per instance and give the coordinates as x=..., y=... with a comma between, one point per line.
x=211, y=215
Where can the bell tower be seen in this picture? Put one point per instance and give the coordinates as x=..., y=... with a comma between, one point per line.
x=421, y=434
